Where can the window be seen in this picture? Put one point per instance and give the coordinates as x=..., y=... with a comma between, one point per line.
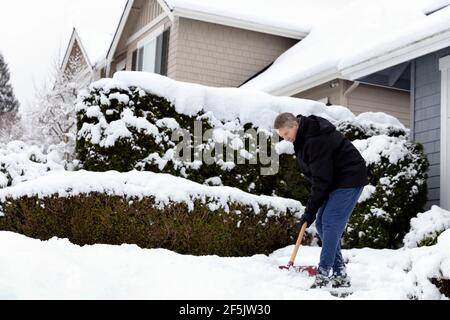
x=152, y=54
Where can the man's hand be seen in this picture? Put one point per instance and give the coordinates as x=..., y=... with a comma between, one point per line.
x=309, y=218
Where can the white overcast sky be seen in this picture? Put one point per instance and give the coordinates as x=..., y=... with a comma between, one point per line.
x=33, y=31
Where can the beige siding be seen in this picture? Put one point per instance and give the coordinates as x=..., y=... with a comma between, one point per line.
x=326, y=90
x=367, y=98
x=222, y=56
x=150, y=9
x=173, y=48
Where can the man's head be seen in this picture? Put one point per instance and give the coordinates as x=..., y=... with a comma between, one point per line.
x=286, y=126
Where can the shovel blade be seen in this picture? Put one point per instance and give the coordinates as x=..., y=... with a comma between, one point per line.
x=310, y=270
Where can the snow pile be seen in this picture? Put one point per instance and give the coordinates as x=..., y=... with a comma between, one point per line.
x=229, y=104
x=374, y=148
x=57, y=269
x=371, y=29
x=428, y=263
x=20, y=162
x=427, y=226
x=166, y=189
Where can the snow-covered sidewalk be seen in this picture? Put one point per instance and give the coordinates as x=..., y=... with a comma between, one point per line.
x=57, y=269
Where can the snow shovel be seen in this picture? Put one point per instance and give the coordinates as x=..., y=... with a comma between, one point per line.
x=310, y=270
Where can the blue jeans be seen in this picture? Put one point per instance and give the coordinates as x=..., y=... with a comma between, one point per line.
x=332, y=219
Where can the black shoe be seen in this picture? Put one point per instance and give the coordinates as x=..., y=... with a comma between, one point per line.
x=340, y=281
x=321, y=281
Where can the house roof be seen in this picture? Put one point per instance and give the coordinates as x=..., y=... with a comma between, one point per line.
x=94, y=37
x=290, y=18
x=75, y=39
x=360, y=39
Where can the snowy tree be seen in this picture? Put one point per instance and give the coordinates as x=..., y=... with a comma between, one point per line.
x=10, y=127
x=53, y=116
x=8, y=101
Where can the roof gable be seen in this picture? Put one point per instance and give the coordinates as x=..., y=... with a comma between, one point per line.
x=75, y=45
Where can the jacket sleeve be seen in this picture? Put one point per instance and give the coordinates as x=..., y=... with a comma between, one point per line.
x=321, y=166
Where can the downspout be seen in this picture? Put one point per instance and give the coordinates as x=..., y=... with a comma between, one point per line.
x=347, y=92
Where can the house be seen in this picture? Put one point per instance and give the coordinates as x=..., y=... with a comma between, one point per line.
x=79, y=61
x=229, y=43
x=216, y=43
x=410, y=64
x=88, y=45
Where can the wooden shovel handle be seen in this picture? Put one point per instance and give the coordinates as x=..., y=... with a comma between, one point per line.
x=298, y=244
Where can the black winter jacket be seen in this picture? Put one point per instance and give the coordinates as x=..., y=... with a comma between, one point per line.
x=327, y=159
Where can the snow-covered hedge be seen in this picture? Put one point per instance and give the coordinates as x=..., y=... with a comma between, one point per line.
x=397, y=191
x=150, y=210
x=426, y=228
x=21, y=162
x=127, y=123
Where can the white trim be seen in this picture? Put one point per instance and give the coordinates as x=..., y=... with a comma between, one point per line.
x=394, y=57
x=352, y=88
x=399, y=55
x=444, y=63
x=166, y=9
x=148, y=27
x=444, y=66
x=152, y=36
x=238, y=23
x=115, y=43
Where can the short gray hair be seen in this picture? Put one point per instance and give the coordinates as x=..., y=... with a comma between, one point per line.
x=285, y=120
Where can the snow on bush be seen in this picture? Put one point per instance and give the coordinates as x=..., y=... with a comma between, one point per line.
x=397, y=191
x=427, y=226
x=150, y=210
x=164, y=188
x=128, y=123
x=430, y=266
x=21, y=162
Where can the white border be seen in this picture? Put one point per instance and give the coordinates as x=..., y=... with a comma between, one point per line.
x=152, y=36
x=444, y=66
x=146, y=28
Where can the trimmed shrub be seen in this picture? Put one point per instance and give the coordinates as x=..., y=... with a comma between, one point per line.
x=224, y=222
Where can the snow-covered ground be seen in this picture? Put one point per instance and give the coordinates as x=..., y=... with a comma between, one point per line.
x=57, y=269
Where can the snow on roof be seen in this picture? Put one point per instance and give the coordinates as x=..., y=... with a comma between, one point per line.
x=298, y=16
x=359, y=31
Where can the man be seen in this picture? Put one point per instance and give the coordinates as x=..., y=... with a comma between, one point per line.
x=338, y=174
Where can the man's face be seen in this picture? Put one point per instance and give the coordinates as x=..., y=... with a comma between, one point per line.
x=288, y=134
